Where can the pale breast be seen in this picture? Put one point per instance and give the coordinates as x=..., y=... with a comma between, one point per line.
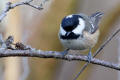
x=88, y=40
x=91, y=39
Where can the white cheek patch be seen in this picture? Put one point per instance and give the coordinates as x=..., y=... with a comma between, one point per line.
x=62, y=31
x=79, y=29
x=69, y=16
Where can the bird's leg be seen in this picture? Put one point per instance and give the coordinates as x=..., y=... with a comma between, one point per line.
x=65, y=52
x=89, y=55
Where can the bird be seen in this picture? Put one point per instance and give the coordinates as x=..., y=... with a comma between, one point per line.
x=80, y=32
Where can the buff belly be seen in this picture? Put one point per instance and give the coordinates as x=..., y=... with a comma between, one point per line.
x=86, y=42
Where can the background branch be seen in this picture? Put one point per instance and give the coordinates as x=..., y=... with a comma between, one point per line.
x=10, y=6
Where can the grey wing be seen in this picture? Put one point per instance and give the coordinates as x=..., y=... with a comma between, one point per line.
x=94, y=20
x=89, y=27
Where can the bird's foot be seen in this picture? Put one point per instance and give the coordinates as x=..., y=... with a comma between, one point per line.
x=65, y=52
x=89, y=56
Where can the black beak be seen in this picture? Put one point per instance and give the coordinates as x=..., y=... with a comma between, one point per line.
x=67, y=34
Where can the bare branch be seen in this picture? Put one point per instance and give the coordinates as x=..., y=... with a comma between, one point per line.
x=57, y=55
x=97, y=52
x=10, y=6
x=21, y=50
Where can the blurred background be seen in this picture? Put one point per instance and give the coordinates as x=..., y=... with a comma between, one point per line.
x=40, y=30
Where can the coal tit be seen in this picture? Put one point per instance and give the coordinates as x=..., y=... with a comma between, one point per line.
x=80, y=32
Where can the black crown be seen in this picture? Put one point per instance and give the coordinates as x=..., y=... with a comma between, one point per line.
x=70, y=23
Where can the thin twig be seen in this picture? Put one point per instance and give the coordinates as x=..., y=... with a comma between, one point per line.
x=97, y=52
x=10, y=6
